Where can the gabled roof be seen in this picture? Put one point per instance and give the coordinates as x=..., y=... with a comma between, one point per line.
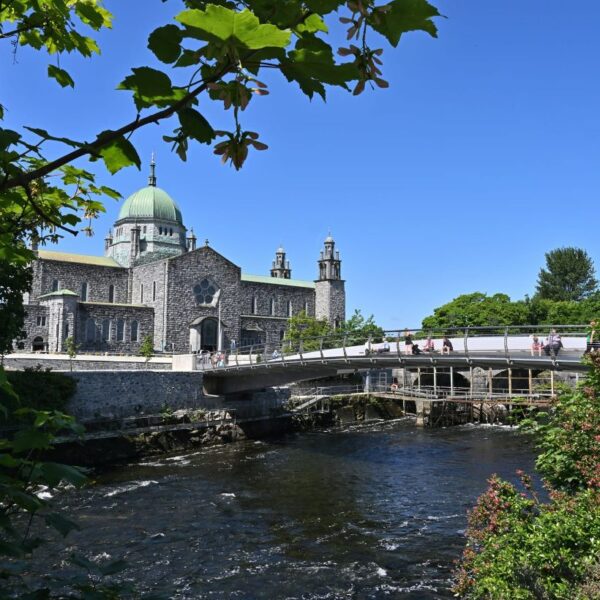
x=278, y=281
x=84, y=259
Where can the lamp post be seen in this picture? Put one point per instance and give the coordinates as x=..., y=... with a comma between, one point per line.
x=219, y=321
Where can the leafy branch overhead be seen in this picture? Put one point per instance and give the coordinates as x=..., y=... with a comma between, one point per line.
x=211, y=52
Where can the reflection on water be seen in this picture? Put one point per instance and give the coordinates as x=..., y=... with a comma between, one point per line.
x=374, y=512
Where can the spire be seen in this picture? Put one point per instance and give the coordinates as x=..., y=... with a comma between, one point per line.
x=152, y=178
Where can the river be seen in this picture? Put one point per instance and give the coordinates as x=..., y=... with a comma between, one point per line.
x=376, y=511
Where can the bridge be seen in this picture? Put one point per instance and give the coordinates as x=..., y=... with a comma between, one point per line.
x=493, y=348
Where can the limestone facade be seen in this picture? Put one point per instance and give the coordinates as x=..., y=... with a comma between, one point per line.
x=154, y=281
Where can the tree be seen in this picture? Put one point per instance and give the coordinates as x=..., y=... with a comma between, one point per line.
x=357, y=329
x=214, y=50
x=308, y=330
x=478, y=309
x=15, y=280
x=71, y=347
x=147, y=347
x=569, y=275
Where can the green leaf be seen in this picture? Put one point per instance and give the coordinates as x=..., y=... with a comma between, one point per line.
x=63, y=78
x=196, y=126
x=47, y=136
x=243, y=28
x=110, y=192
x=322, y=7
x=312, y=24
x=32, y=439
x=403, y=16
x=63, y=525
x=149, y=86
x=119, y=153
x=54, y=473
x=165, y=42
x=312, y=65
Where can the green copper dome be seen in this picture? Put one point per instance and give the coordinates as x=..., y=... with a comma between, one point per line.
x=151, y=202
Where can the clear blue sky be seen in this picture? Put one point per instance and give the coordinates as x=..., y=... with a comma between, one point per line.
x=481, y=156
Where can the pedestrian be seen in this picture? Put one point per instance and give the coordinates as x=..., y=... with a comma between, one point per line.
x=429, y=345
x=536, y=345
x=592, y=341
x=447, y=345
x=408, y=342
x=554, y=344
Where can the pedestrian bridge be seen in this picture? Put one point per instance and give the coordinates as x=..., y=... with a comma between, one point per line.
x=256, y=367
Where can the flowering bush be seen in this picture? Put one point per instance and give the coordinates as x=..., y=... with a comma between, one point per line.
x=519, y=547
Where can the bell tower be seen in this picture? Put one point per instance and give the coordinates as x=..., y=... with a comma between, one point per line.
x=281, y=267
x=329, y=287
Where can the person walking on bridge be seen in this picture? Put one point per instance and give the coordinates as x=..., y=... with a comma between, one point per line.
x=408, y=342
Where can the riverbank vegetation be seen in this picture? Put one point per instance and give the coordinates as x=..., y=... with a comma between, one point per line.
x=566, y=293
x=523, y=546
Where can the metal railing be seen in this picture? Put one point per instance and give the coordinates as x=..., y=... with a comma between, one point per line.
x=523, y=341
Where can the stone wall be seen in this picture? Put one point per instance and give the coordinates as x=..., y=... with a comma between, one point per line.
x=71, y=275
x=149, y=287
x=33, y=327
x=331, y=301
x=111, y=314
x=118, y=394
x=85, y=363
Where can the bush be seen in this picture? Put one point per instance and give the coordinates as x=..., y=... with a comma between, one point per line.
x=521, y=548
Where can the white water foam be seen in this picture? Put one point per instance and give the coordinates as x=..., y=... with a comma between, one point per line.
x=134, y=485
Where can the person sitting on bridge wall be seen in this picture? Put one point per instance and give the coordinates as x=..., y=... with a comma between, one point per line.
x=416, y=349
x=554, y=344
x=592, y=341
x=429, y=345
x=447, y=345
x=536, y=345
x=385, y=347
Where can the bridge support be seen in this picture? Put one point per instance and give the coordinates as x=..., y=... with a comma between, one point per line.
x=510, y=381
x=452, y=381
x=435, y=380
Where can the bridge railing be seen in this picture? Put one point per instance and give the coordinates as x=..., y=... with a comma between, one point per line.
x=541, y=341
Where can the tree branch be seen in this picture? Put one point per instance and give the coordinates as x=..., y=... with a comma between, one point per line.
x=25, y=178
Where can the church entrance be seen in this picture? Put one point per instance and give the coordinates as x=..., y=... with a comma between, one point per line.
x=204, y=335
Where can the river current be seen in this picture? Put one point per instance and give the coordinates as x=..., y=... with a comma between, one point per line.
x=376, y=511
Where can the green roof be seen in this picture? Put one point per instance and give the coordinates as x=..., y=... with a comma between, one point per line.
x=84, y=259
x=277, y=281
x=151, y=202
x=64, y=292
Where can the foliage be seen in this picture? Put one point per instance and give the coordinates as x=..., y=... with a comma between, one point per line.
x=522, y=548
x=478, y=309
x=37, y=389
x=71, y=349
x=569, y=275
x=564, y=312
x=214, y=51
x=307, y=329
x=570, y=440
x=15, y=280
x=357, y=329
x=147, y=347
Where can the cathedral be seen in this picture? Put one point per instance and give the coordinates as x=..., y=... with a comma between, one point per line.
x=154, y=280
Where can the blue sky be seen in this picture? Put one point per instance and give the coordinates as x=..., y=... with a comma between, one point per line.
x=480, y=157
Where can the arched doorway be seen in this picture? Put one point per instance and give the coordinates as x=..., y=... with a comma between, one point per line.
x=38, y=344
x=204, y=334
x=208, y=334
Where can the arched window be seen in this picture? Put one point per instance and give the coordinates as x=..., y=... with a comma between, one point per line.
x=160, y=230
x=105, y=330
x=153, y=291
x=272, y=307
x=66, y=330
x=306, y=307
x=254, y=305
x=84, y=291
x=144, y=229
x=170, y=231
x=90, y=330
x=111, y=293
x=38, y=344
x=120, y=330
x=205, y=291
x=290, y=309
x=55, y=285
x=134, y=331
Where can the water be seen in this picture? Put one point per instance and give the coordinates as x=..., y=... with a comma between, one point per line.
x=374, y=512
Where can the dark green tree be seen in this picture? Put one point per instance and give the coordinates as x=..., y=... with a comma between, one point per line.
x=569, y=275
x=358, y=329
x=15, y=280
x=478, y=309
x=307, y=329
